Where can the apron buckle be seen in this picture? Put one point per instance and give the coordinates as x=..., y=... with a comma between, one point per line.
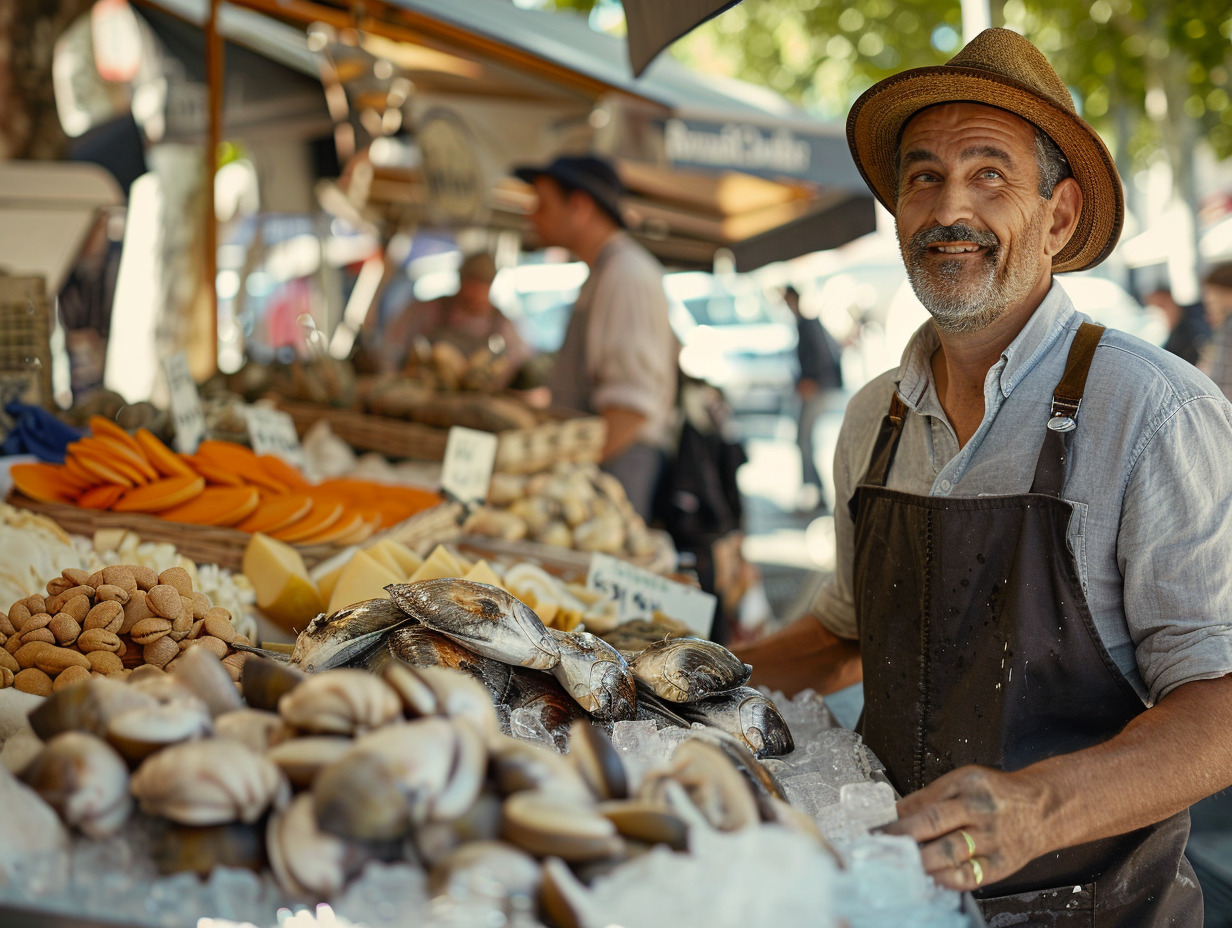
x=1062, y=424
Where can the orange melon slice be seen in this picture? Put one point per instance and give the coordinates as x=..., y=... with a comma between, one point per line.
x=161, y=494
x=361, y=533
x=346, y=526
x=276, y=513
x=44, y=482
x=286, y=473
x=133, y=462
x=212, y=472
x=78, y=474
x=240, y=461
x=103, y=496
x=106, y=471
x=216, y=506
x=101, y=425
x=324, y=514
x=165, y=461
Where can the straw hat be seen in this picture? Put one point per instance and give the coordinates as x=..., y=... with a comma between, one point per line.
x=998, y=68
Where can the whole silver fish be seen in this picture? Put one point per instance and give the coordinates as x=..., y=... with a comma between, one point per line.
x=344, y=636
x=596, y=675
x=484, y=618
x=688, y=669
x=747, y=714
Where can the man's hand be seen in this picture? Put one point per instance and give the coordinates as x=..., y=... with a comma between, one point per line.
x=806, y=388
x=974, y=814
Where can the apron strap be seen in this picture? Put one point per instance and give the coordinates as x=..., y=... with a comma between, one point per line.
x=887, y=442
x=1066, y=399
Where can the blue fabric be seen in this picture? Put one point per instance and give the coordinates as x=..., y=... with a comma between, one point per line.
x=36, y=431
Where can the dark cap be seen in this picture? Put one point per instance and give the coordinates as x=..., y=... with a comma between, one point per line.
x=592, y=175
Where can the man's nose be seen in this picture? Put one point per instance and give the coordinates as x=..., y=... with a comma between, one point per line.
x=953, y=203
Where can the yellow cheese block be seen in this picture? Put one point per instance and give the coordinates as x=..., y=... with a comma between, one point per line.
x=408, y=559
x=363, y=577
x=483, y=573
x=280, y=580
x=383, y=555
x=439, y=566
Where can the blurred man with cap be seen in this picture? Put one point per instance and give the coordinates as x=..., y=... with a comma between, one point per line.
x=618, y=358
x=466, y=319
x=1033, y=545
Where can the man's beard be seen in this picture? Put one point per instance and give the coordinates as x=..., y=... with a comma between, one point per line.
x=960, y=295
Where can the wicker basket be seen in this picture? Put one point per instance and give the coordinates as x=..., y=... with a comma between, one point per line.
x=207, y=544
x=25, y=340
x=562, y=436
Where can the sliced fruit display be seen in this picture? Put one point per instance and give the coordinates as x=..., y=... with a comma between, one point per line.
x=165, y=461
x=44, y=482
x=103, y=496
x=240, y=461
x=277, y=512
x=160, y=495
x=324, y=514
x=216, y=506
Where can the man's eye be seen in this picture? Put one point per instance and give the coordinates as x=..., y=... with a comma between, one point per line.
x=990, y=174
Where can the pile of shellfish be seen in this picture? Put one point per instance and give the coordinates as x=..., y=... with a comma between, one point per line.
x=317, y=774
x=553, y=677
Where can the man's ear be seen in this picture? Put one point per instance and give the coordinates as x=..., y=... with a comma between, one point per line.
x=1064, y=210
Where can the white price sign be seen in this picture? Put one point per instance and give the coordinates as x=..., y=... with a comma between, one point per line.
x=185, y=401
x=467, y=469
x=272, y=431
x=638, y=593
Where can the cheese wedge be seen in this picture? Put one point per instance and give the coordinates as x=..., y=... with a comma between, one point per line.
x=363, y=577
x=280, y=580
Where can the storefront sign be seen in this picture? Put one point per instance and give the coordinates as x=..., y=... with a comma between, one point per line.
x=272, y=431
x=185, y=404
x=467, y=469
x=639, y=593
x=733, y=146
x=453, y=174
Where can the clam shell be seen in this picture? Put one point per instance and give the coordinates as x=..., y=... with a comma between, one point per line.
x=343, y=701
x=598, y=761
x=84, y=780
x=550, y=825
x=306, y=861
x=200, y=848
x=263, y=682
x=138, y=733
x=300, y=758
x=648, y=822
x=257, y=729
x=208, y=783
x=472, y=869
x=202, y=672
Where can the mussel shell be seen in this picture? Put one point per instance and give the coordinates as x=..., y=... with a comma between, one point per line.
x=263, y=682
x=748, y=715
x=688, y=669
x=561, y=896
x=345, y=636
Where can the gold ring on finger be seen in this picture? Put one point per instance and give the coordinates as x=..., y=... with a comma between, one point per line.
x=970, y=843
x=977, y=871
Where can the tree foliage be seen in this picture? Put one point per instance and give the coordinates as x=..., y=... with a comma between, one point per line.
x=1151, y=75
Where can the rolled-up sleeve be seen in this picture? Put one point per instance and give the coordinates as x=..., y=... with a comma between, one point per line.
x=1175, y=548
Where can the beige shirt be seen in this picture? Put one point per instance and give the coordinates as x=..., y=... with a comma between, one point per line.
x=619, y=350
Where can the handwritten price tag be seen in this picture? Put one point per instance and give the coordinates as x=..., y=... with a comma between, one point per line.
x=467, y=468
x=272, y=431
x=186, y=412
x=639, y=592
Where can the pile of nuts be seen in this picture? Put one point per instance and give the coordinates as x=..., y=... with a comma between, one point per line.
x=108, y=622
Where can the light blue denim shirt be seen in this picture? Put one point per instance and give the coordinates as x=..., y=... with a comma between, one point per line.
x=1150, y=481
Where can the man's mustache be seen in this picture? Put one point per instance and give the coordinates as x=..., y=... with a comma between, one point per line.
x=957, y=233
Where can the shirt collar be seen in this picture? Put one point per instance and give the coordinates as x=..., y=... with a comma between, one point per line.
x=1036, y=338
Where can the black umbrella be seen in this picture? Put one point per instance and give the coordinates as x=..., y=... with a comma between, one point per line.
x=655, y=24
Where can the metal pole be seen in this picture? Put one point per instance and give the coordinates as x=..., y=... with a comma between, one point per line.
x=214, y=51
x=976, y=17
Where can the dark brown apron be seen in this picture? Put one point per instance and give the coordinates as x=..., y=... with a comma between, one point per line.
x=978, y=647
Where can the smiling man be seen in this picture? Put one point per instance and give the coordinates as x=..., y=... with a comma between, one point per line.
x=1034, y=549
